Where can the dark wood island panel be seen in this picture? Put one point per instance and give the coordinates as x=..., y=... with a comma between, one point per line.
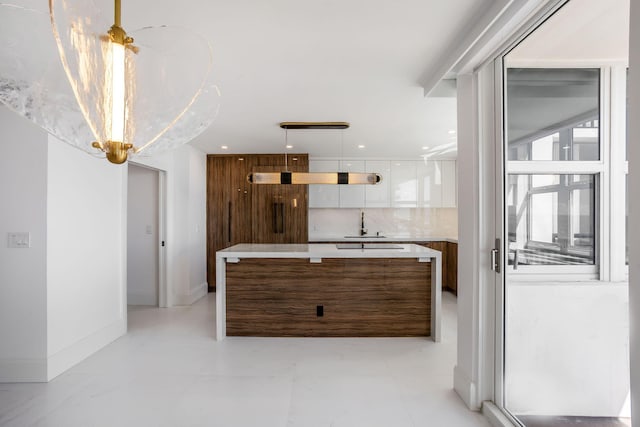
x=334, y=298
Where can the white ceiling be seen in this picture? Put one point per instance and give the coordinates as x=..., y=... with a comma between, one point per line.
x=582, y=32
x=328, y=60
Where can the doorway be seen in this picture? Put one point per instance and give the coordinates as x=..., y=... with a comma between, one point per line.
x=144, y=237
x=565, y=340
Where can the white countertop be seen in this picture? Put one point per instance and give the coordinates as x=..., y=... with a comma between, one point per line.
x=324, y=250
x=325, y=238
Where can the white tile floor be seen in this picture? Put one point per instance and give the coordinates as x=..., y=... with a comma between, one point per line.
x=168, y=371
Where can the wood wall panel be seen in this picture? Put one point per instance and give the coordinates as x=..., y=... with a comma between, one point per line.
x=218, y=181
x=291, y=222
x=238, y=212
x=360, y=297
x=452, y=267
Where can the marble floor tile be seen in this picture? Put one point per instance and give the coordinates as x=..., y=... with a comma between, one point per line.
x=169, y=371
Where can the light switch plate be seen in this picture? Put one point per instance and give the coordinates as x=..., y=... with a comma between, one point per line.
x=19, y=239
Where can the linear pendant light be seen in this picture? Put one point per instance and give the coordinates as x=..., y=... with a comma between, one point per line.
x=287, y=177
x=313, y=178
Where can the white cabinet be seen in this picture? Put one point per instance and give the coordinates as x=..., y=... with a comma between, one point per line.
x=437, y=184
x=429, y=184
x=449, y=184
x=404, y=184
x=377, y=196
x=324, y=195
x=352, y=196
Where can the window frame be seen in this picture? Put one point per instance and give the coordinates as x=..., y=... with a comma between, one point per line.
x=609, y=173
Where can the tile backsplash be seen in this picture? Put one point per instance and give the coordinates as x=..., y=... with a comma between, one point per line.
x=392, y=222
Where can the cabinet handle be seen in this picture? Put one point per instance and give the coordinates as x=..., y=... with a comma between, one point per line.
x=278, y=218
x=229, y=223
x=281, y=218
x=275, y=218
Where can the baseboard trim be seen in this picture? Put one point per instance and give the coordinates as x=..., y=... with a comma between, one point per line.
x=67, y=358
x=465, y=388
x=495, y=416
x=23, y=370
x=141, y=298
x=194, y=295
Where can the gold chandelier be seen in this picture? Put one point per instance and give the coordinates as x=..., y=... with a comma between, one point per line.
x=122, y=98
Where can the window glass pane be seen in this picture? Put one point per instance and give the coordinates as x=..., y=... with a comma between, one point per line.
x=551, y=219
x=553, y=114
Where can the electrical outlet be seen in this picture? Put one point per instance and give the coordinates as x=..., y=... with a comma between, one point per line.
x=19, y=239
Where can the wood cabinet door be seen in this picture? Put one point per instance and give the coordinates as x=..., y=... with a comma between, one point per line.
x=239, y=212
x=279, y=212
x=218, y=197
x=239, y=209
x=452, y=267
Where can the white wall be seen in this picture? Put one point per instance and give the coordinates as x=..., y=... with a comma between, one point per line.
x=142, y=236
x=567, y=349
x=634, y=200
x=64, y=298
x=465, y=371
x=23, y=195
x=86, y=265
x=197, y=219
x=186, y=249
x=409, y=222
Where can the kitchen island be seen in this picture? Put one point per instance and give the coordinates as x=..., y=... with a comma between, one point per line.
x=371, y=289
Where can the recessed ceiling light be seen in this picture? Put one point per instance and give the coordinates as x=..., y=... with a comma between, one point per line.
x=289, y=147
x=224, y=147
x=360, y=146
x=425, y=148
x=452, y=131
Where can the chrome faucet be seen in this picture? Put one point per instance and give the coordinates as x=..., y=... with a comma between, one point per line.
x=363, y=230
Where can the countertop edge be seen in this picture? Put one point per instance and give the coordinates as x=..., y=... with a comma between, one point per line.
x=323, y=251
x=381, y=239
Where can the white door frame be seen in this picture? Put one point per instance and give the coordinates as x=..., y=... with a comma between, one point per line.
x=469, y=378
x=163, y=291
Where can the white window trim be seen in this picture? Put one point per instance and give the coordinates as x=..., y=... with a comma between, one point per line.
x=610, y=243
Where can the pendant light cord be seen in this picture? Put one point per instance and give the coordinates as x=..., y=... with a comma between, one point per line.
x=286, y=143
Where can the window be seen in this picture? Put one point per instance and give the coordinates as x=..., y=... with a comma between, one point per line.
x=551, y=219
x=554, y=164
x=553, y=114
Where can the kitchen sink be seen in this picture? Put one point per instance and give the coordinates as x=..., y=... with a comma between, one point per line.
x=364, y=237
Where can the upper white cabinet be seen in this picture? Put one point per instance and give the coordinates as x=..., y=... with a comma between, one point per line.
x=450, y=184
x=352, y=196
x=404, y=184
x=429, y=184
x=324, y=195
x=437, y=184
x=377, y=196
